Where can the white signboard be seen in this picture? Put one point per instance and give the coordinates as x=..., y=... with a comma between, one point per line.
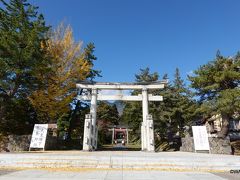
x=39, y=136
x=200, y=138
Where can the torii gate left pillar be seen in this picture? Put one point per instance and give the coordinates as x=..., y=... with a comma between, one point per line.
x=90, y=125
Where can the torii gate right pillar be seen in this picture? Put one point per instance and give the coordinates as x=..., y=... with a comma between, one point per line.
x=93, y=112
x=147, y=128
x=144, y=116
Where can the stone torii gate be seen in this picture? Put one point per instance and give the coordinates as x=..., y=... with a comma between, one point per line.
x=147, y=128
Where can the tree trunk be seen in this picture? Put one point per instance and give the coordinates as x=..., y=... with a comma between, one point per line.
x=225, y=125
x=73, y=118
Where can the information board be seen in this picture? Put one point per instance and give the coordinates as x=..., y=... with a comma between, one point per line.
x=200, y=138
x=39, y=136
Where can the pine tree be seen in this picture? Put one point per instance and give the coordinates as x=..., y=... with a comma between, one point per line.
x=132, y=113
x=145, y=76
x=107, y=116
x=217, y=86
x=90, y=58
x=80, y=107
x=176, y=110
x=171, y=115
x=107, y=112
x=183, y=104
x=22, y=32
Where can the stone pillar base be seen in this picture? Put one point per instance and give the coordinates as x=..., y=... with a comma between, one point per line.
x=87, y=141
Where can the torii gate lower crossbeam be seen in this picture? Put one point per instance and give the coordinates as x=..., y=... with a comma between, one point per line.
x=147, y=130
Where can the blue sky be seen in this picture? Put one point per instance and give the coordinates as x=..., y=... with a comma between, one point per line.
x=160, y=34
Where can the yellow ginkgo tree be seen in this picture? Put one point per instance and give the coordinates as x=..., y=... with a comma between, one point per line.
x=67, y=65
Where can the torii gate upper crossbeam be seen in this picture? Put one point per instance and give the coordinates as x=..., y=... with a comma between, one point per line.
x=122, y=86
x=119, y=97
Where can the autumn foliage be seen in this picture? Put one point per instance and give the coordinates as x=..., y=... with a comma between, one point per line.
x=67, y=66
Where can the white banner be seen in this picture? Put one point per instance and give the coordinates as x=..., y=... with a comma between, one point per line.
x=200, y=138
x=39, y=136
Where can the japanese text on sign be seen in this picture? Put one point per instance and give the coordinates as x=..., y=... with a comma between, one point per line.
x=39, y=136
x=200, y=138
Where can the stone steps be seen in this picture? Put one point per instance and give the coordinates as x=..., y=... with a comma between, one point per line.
x=126, y=160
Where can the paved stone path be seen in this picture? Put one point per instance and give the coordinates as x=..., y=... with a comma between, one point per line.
x=121, y=160
x=112, y=175
x=116, y=165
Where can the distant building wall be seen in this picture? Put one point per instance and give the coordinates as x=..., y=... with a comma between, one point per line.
x=214, y=125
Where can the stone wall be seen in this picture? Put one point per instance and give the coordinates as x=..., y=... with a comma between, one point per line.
x=3, y=143
x=15, y=143
x=18, y=143
x=217, y=145
x=187, y=144
x=220, y=146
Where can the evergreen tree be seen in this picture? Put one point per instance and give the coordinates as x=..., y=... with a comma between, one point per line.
x=107, y=112
x=80, y=107
x=217, y=86
x=183, y=104
x=22, y=33
x=132, y=113
x=107, y=115
x=145, y=76
x=176, y=110
x=90, y=58
x=171, y=115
